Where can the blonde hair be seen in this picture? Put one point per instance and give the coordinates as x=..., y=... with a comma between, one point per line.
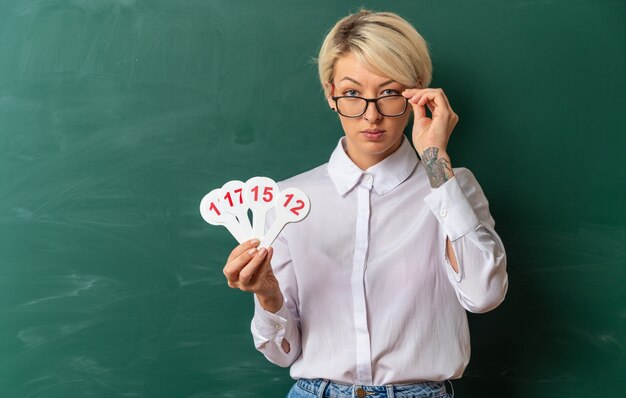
x=384, y=41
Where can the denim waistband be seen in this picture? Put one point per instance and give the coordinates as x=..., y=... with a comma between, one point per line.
x=323, y=388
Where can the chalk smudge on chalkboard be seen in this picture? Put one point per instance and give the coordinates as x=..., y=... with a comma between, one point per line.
x=81, y=284
x=38, y=335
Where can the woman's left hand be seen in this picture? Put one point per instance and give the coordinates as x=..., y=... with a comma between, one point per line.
x=427, y=132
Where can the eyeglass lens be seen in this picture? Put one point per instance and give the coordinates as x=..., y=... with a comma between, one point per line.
x=388, y=106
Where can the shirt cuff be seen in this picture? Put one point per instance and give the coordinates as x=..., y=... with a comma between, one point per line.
x=451, y=207
x=269, y=325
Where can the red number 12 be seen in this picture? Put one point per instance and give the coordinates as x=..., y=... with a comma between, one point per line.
x=294, y=210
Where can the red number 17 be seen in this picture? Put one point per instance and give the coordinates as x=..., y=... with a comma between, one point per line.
x=230, y=199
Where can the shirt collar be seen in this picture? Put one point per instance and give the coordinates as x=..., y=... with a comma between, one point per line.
x=387, y=174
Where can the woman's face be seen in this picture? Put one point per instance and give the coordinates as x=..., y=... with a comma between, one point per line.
x=370, y=137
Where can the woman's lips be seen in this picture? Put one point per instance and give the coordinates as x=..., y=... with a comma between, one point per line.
x=373, y=135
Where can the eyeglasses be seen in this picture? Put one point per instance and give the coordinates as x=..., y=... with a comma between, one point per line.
x=388, y=105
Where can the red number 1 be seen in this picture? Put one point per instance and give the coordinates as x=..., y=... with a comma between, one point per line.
x=215, y=209
x=289, y=197
x=230, y=200
x=256, y=193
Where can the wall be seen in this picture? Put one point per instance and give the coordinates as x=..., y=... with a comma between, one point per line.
x=117, y=116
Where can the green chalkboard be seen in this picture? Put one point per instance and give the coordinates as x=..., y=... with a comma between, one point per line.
x=117, y=116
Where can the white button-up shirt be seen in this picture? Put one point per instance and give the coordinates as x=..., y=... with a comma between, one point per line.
x=370, y=296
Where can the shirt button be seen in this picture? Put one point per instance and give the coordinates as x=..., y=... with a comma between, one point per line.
x=443, y=213
x=278, y=327
x=367, y=177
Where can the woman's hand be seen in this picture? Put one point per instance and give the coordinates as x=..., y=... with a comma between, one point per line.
x=427, y=132
x=249, y=270
x=430, y=136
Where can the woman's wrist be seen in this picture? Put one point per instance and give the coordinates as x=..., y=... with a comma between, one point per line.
x=272, y=302
x=437, y=165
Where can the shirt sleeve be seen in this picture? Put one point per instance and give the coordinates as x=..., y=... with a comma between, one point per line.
x=463, y=213
x=269, y=329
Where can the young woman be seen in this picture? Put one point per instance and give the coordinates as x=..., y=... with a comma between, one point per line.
x=367, y=296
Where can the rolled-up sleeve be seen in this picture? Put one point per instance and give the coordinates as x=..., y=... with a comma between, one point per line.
x=463, y=213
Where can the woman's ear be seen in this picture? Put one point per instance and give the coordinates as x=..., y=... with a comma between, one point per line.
x=328, y=92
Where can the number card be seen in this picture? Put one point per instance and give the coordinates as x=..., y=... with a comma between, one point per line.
x=233, y=202
x=228, y=206
x=260, y=194
x=292, y=206
x=213, y=213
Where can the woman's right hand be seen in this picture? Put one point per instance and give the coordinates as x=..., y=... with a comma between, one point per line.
x=249, y=270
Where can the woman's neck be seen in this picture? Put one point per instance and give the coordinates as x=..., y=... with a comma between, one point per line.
x=365, y=160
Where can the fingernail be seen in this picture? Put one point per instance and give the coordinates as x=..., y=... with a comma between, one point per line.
x=254, y=241
x=252, y=251
x=262, y=252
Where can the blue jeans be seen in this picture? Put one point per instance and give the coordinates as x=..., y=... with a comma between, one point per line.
x=321, y=388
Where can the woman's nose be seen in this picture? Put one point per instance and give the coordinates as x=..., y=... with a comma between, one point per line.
x=371, y=112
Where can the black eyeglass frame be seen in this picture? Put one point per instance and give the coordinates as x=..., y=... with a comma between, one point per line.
x=375, y=101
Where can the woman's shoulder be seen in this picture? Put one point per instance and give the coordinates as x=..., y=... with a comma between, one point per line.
x=314, y=177
x=308, y=176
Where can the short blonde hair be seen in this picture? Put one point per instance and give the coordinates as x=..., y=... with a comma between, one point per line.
x=384, y=41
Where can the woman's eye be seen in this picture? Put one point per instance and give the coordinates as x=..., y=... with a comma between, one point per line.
x=390, y=91
x=350, y=93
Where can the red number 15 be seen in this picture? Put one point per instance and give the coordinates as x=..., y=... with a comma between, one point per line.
x=267, y=194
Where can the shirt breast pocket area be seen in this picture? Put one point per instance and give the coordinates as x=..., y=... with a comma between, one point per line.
x=324, y=230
